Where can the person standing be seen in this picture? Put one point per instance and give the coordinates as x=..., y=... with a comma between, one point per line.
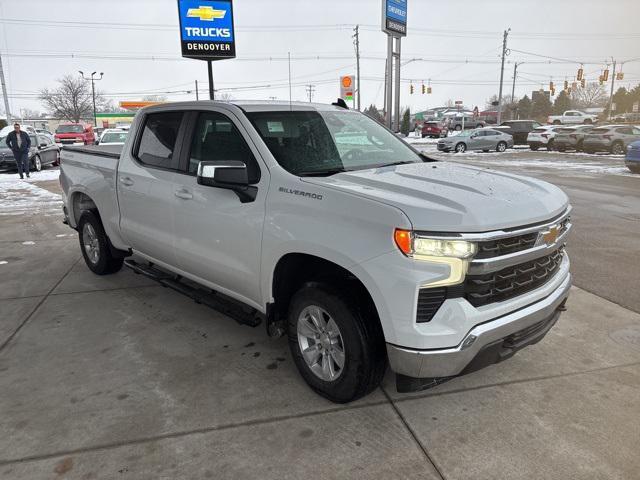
x=19, y=143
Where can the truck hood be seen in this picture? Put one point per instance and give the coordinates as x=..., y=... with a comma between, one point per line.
x=445, y=197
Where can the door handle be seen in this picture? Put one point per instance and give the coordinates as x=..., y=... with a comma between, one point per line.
x=126, y=181
x=183, y=194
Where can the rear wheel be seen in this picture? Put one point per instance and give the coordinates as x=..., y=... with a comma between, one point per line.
x=95, y=246
x=36, y=163
x=556, y=122
x=617, y=148
x=339, y=352
x=534, y=147
x=588, y=121
x=461, y=148
x=550, y=145
x=458, y=128
x=502, y=146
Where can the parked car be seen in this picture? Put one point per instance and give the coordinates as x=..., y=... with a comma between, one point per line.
x=484, y=139
x=74, y=134
x=113, y=136
x=326, y=241
x=632, y=160
x=572, y=117
x=434, y=130
x=611, y=138
x=519, y=129
x=542, y=137
x=9, y=128
x=455, y=122
x=42, y=152
x=571, y=138
x=627, y=118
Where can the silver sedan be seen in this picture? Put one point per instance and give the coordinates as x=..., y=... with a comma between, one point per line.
x=484, y=139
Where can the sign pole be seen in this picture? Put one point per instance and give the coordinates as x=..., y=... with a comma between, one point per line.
x=212, y=93
x=389, y=83
x=397, y=86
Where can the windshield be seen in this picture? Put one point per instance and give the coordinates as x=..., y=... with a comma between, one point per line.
x=69, y=129
x=311, y=142
x=114, y=137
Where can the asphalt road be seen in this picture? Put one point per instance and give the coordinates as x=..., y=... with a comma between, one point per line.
x=604, y=246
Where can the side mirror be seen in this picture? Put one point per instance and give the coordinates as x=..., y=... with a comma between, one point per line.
x=230, y=175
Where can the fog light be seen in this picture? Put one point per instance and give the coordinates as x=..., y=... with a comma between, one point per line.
x=468, y=342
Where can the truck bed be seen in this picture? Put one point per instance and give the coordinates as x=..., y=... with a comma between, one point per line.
x=110, y=151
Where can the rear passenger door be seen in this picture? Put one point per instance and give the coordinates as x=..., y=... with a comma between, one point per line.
x=146, y=188
x=219, y=238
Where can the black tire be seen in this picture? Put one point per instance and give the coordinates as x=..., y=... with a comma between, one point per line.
x=534, y=147
x=423, y=135
x=460, y=148
x=105, y=263
x=557, y=122
x=364, y=348
x=458, y=128
x=617, y=148
x=550, y=145
x=501, y=147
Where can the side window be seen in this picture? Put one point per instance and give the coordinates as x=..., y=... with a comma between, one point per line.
x=34, y=141
x=624, y=130
x=158, y=140
x=45, y=139
x=636, y=131
x=217, y=138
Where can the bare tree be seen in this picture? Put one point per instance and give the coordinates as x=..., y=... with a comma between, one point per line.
x=592, y=95
x=71, y=100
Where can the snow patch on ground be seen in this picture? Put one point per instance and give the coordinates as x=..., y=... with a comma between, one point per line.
x=590, y=167
x=28, y=243
x=3, y=262
x=22, y=197
x=45, y=175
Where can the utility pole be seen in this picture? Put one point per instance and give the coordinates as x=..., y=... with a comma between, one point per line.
x=356, y=37
x=504, y=54
x=4, y=94
x=613, y=81
x=513, y=88
x=197, y=94
x=310, y=88
x=93, y=92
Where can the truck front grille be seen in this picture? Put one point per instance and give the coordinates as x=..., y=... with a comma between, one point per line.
x=511, y=281
x=504, y=246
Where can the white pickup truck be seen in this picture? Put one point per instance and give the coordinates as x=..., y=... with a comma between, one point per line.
x=572, y=117
x=320, y=223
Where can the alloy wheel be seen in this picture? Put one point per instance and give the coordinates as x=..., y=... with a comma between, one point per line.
x=90, y=242
x=321, y=343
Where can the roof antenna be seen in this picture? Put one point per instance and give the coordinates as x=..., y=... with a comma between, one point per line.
x=340, y=103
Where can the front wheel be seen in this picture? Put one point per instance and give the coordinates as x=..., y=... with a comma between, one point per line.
x=502, y=146
x=461, y=148
x=617, y=148
x=550, y=145
x=339, y=352
x=458, y=128
x=95, y=247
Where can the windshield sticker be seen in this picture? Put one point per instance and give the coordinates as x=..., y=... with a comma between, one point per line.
x=275, y=127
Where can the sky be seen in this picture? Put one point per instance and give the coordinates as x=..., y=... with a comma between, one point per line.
x=456, y=45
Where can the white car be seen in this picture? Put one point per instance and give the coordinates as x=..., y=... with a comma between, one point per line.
x=25, y=128
x=572, y=117
x=113, y=136
x=542, y=137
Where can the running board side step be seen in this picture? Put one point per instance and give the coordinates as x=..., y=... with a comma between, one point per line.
x=241, y=313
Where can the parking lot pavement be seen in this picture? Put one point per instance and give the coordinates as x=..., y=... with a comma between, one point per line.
x=115, y=377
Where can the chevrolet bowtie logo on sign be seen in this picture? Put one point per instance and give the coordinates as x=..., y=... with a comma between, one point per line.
x=206, y=29
x=206, y=13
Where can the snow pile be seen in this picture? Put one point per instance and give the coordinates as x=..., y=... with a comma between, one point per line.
x=22, y=197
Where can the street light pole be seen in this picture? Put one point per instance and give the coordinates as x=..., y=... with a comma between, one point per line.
x=93, y=92
x=504, y=54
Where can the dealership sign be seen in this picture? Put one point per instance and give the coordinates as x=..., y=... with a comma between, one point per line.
x=206, y=29
x=347, y=84
x=394, y=17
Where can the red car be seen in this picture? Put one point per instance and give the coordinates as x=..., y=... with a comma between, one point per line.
x=74, y=133
x=433, y=130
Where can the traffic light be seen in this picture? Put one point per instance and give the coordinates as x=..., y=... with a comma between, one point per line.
x=580, y=74
x=583, y=82
x=411, y=88
x=429, y=90
x=620, y=76
x=424, y=89
x=605, y=74
x=552, y=87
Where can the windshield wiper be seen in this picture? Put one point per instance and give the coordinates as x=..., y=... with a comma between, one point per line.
x=321, y=173
x=392, y=164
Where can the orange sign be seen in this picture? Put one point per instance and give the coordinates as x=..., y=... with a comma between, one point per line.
x=136, y=105
x=346, y=82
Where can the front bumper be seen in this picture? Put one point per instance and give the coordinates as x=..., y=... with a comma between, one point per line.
x=433, y=364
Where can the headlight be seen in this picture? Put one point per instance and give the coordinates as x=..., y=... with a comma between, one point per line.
x=455, y=253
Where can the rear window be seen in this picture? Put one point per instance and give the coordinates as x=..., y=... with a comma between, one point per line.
x=600, y=130
x=70, y=129
x=158, y=140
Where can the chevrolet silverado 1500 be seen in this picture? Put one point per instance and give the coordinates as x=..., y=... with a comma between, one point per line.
x=322, y=224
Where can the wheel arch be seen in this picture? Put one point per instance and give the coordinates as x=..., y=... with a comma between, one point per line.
x=79, y=202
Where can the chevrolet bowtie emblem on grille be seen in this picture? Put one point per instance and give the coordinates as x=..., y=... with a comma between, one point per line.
x=206, y=13
x=549, y=236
